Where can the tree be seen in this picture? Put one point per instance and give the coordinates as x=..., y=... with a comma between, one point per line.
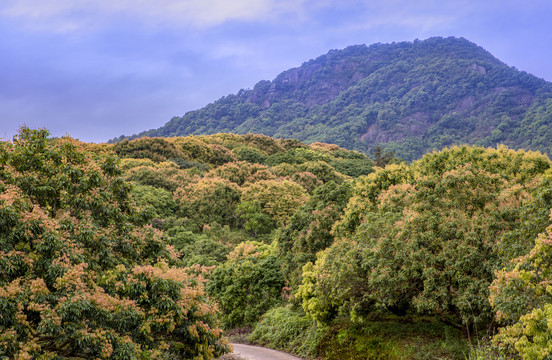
x=277, y=199
x=159, y=200
x=81, y=275
x=254, y=220
x=309, y=229
x=428, y=237
x=241, y=172
x=248, y=284
x=156, y=149
x=522, y=298
x=381, y=159
x=209, y=200
x=163, y=175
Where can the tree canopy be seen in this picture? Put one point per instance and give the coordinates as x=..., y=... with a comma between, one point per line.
x=82, y=274
x=429, y=237
x=316, y=248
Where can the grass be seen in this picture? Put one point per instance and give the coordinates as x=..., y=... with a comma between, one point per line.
x=394, y=338
x=382, y=338
x=485, y=351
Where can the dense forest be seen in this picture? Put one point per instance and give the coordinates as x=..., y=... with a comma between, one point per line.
x=163, y=248
x=409, y=97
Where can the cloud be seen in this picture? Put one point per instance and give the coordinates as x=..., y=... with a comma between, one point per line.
x=65, y=16
x=73, y=15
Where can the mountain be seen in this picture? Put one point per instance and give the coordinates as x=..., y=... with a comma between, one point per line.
x=409, y=97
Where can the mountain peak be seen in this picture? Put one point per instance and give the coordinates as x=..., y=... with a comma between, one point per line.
x=411, y=97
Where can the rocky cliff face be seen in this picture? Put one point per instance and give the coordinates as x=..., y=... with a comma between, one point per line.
x=315, y=82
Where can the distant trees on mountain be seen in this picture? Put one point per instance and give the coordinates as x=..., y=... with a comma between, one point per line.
x=408, y=97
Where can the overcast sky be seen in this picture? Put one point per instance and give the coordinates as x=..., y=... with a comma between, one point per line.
x=96, y=69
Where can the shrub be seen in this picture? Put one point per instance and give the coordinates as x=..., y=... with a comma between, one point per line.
x=248, y=284
x=289, y=330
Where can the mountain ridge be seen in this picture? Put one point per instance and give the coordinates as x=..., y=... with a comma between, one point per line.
x=409, y=97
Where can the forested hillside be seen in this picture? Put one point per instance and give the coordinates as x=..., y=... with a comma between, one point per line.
x=151, y=248
x=409, y=97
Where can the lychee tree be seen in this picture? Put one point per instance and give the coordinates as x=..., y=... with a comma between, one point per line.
x=81, y=273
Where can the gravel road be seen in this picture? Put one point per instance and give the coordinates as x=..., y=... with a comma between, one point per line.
x=248, y=352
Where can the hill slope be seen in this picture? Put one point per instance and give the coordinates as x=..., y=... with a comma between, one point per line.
x=411, y=97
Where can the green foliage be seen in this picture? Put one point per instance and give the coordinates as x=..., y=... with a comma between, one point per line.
x=248, y=284
x=534, y=130
x=161, y=175
x=160, y=200
x=309, y=230
x=322, y=170
x=156, y=149
x=427, y=237
x=353, y=167
x=522, y=297
x=209, y=200
x=483, y=350
x=235, y=194
x=531, y=337
x=276, y=199
x=196, y=149
x=381, y=159
x=438, y=238
x=392, y=338
x=289, y=330
x=82, y=276
x=198, y=249
x=517, y=291
x=241, y=172
x=250, y=154
x=335, y=284
x=366, y=192
x=255, y=221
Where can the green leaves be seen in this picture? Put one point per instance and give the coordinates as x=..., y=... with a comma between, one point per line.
x=428, y=237
x=80, y=275
x=522, y=298
x=248, y=284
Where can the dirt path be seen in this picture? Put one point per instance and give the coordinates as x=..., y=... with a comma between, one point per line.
x=248, y=352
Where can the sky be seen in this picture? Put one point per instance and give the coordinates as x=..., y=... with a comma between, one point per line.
x=97, y=69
